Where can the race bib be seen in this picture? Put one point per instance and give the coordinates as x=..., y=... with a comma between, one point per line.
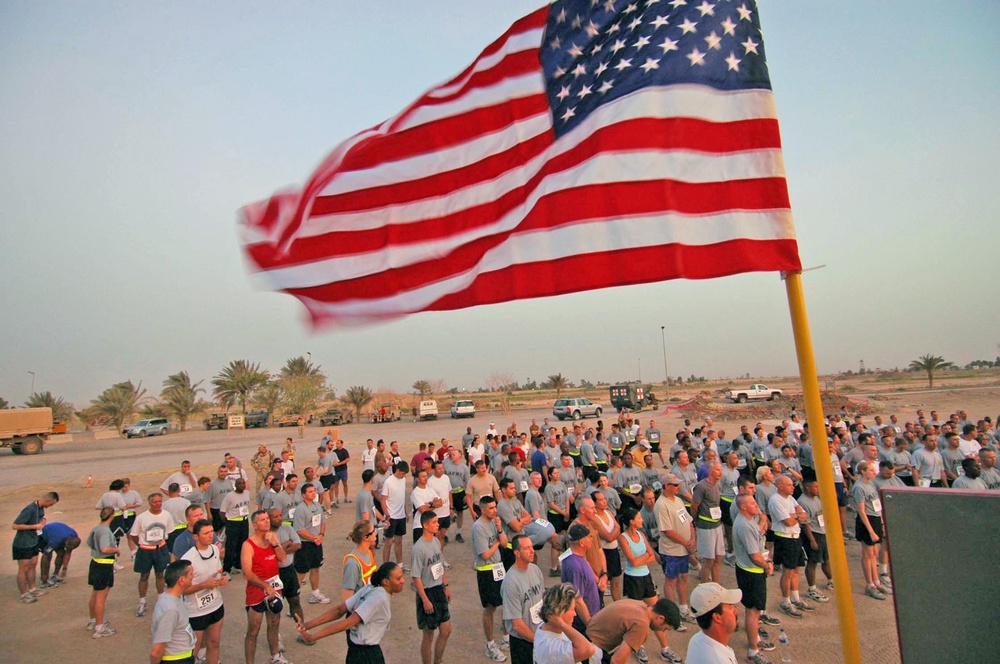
x=715, y=512
x=535, y=612
x=205, y=598
x=570, y=490
x=316, y=519
x=821, y=520
x=654, y=437
x=877, y=505
x=244, y=510
x=185, y=489
x=683, y=515
x=960, y=470
x=524, y=486
x=925, y=483
x=657, y=486
x=634, y=488
x=275, y=582
x=437, y=571
x=542, y=522
x=155, y=535
x=291, y=513
x=742, y=463
x=498, y=572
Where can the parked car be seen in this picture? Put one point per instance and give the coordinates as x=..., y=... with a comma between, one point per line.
x=576, y=408
x=756, y=391
x=427, y=410
x=158, y=426
x=463, y=408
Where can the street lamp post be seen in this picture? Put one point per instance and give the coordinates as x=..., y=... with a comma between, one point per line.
x=663, y=340
x=32, y=384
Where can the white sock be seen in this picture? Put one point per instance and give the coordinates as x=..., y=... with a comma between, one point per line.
x=813, y=588
x=752, y=652
x=795, y=596
x=491, y=644
x=684, y=608
x=883, y=569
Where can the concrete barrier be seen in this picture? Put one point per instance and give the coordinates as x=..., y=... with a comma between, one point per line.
x=61, y=438
x=106, y=435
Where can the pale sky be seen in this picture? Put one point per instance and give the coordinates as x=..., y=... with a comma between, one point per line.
x=130, y=134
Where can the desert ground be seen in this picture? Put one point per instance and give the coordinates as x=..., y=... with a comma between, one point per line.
x=52, y=628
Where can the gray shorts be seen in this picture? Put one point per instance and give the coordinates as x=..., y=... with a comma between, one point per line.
x=711, y=543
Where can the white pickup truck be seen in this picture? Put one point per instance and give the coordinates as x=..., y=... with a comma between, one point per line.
x=757, y=391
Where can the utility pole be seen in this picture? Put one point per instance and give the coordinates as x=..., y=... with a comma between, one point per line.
x=663, y=340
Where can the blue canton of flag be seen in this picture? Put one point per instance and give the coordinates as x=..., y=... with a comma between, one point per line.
x=595, y=51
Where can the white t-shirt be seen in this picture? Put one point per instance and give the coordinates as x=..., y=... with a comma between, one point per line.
x=206, y=565
x=420, y=497
x=552, y=648
x=394, y=491
x=781, y=508
x=152, y=529
x=442, y=488
x=476, y=453
x=368, y=459
x=703, y=649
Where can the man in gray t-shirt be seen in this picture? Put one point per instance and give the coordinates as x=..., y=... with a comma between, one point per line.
x=364, y=505
x=522, y=589
x=172, y=633
x=433, y=595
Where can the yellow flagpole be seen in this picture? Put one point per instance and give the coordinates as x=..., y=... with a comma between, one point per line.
x=824, y=468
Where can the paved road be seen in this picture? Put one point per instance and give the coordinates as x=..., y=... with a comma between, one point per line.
x=71, y=462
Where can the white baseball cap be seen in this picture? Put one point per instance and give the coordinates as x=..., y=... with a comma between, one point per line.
x=707, y=596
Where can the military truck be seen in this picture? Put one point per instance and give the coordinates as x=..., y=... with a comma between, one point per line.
x=336, y=417
x=257, y=418
x=387, y=412
x=292, y=419
x=216, y=421
x=627, y=395
x=25, y=430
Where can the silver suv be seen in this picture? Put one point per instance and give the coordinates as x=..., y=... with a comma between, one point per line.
x=158, y=426
x=576, y=408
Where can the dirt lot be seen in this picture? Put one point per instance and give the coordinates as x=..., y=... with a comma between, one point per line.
x=52, y=629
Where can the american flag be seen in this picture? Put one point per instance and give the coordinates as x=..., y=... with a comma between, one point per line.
x=596, y=143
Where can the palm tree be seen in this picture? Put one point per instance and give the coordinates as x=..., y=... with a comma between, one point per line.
x=180, y=397
x=300, y=366
x=268, y=396
x=117, y=403
x=558, y=383
x=930, y=364
x=357, y=396
x=422, y=387
x=3, y=403
x=237, y=383
x=61, y=410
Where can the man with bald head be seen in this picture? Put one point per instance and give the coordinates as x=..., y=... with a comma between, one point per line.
x=706, y=506
x=786, y=518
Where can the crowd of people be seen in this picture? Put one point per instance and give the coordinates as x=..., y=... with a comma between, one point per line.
x=611, y=505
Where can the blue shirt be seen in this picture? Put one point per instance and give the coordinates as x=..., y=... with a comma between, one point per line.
x=55, y=534
x=576, y=570
x=538, y=460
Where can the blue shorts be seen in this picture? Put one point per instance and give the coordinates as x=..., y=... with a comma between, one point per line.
x=340, y=476
x=841, y=494
x=674, y=566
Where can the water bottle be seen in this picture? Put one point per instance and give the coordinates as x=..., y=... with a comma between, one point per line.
x=786, y=655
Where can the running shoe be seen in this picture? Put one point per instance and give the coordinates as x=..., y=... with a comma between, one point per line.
x=668, y=655
x=299, y=639
x=790, y=610
x=318, y=598
x=91, y=624
x=729, y=560
x=47, y=584
x=681, y=628
x=459, y=538
x=829, y=585
x=200, y=660
x=758, y=659
x=55, y=578
x=885, y=580
x=119, y=566
x=766, y=646
x=686, y=617
x=279, y=659
x=405, y=569
x=37, y=592
x=447, y=565
x=607, y=592
x=885, y=590
x=641, y=655
x=505, y=641
x=815, y=594
x=103, y=630
x=141, y=611
x=347, y=500
x=28, y=598
x=769, y=621
x=335, y=506
x=874, y=593
x=803, y=606
x=494, y=653
x=762, y=634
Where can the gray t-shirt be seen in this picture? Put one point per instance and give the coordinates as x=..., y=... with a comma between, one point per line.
x=309, y=517
x=708, y=496
x=286, y=533
x=587, y=455
x=522, y=590
x=688, y=477
x=352, y=570
x=484, y=535
x=747, y=540
x=426, y=562
x=763, y=495
x=458, y=473
x=902, y=458
x=100, y=538
x=534, y=503
x=218, y=490
x=365, y=502
x=508, y=511
x=814, y=508
x=324, y=464
x=552, y=453
x=287, y=502
x=171, y=625
x=991, y=478
x=626, y=477
x=966, y=482
x=555, y=492
x=614, y=500
x=372, y=605
x=929, y=464
x=952, y=461
x=866, y=493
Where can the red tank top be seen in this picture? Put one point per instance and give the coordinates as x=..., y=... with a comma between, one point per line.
x=265, y=566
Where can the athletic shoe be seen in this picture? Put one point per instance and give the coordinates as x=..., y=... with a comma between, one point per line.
x=347, y=500
x=459, y=538
x=493, y=653
x=335, y=506
x=37, y=592
x=607, y=592
x=447, y=565
x=200, y=660
x=554, y=573
x=686, y=617
x=119, y=566
x=766, y=646
x=885, y=590
x=405, y=568
x=768, y=620
x=505, y=641
x=279, y=659
x=829, y=585
x=141, y=611
x=103, y=630
x=790, y=610
x=815, y=594
x=681, y=628
x=668, y=655
x=885, y=580
x=874, y=593
x=762, y=634
x=281, y=645
x=318, y=598
x=28, y=598
x=299, y=639
x=758, y=659
x=47, y=584
x=55, y=578
x=803, y=606
x=91, y=624
x=729, y=560
x=641, y=655
x=328, y=512
x=235, y=570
